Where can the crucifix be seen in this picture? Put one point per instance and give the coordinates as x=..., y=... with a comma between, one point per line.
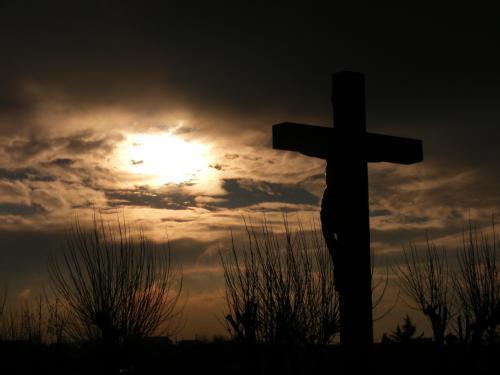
x=345, y=223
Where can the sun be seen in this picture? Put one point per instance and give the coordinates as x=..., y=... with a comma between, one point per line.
x=161, y=158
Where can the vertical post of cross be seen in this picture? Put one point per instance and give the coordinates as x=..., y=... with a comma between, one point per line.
x=347, y=177
x=348, y=100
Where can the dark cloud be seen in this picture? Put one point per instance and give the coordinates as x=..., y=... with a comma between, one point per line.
x=231, y=156
x=381, y=212
x=239, y=193
x=25, y=174
x=24, y=254
x=20, y=209
x=84, y=143
x=413, y=219
x=262, y=209
x=248, y=192
x=146, y=197
x=177, y=220
x=401, y=235
x=218, y=167
x=12, y=100
x=62, y=162
x=188, y=251
x=24, y=149
x=27, y=149
x=156, y=53
x=442, y=232
x=18, y=108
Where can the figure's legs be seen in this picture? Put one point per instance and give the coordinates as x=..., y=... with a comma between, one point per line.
x=329, y=228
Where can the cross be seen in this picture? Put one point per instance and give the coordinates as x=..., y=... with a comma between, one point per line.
x=348, y=148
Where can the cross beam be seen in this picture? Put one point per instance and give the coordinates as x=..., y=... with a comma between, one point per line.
x=324, y=143
x=348, y=148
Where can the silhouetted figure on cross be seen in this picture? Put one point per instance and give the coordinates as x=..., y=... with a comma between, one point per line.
x=331, y=224
x=348, y=148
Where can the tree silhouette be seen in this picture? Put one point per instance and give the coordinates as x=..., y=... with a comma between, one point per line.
x=280, y=288
x=477, y=285
x=116, y=285
x=425, y=279
x=404, y=334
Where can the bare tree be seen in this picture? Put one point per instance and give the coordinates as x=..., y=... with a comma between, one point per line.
x=280, y=287
x=425, y=278
x=115, y=283
x=478, y=287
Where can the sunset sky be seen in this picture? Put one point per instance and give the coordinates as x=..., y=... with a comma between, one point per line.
x=164, y=113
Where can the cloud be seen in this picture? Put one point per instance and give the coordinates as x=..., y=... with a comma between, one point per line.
x=238, y=193
x=14, y=192
x=62, y=162
x=248, y=192
x=20, y=209
x=189, y=252
x=175, y=199
x=379, y=212
x=58, y=149
x=24, y=174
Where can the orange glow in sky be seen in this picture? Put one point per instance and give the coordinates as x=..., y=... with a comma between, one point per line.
x=161, y=158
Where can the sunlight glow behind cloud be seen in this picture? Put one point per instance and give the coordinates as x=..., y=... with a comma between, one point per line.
x=161, y=158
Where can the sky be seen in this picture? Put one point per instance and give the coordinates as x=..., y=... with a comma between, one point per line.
x=162, y=111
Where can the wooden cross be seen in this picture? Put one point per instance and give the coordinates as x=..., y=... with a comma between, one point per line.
x=348, y=148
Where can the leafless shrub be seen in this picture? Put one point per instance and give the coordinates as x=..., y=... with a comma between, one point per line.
x=425, y=278
x=280, y=287
x=115, y=284
x=24, y=323
x=40, y=321
x=478, y=287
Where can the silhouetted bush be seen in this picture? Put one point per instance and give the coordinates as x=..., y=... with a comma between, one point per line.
x=39, y=321
x=425, y=278
x=27, y=323
x=473, y=287
x=115, y=283
x=280, y=287
x=477, y=284
x=404, y=334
